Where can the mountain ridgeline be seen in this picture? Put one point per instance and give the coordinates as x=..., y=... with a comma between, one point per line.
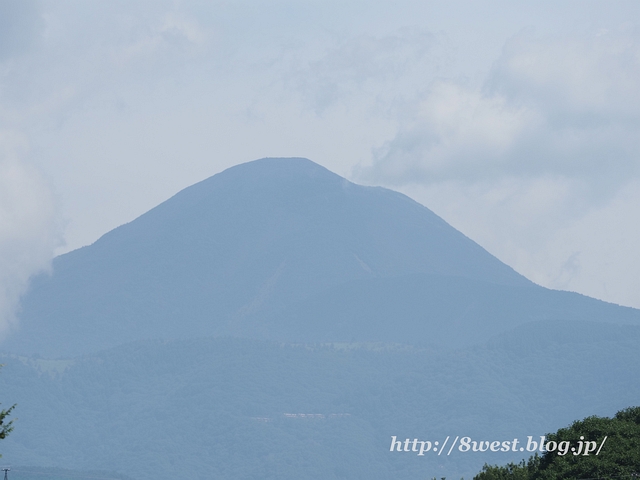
x=283, y=249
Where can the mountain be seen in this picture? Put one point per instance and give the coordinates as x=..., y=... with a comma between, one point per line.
x=283, y=249
x=276, y=321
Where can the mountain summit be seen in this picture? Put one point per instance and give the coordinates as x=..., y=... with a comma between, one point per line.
x=282, y=248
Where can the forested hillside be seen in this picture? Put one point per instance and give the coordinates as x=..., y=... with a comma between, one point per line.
x=234, y=408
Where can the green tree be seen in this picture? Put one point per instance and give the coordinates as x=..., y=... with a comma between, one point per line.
x=619, y=456
x=5, y=427
x=511, y=471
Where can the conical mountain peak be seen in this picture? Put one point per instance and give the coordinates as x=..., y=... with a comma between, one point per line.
x=276, y=248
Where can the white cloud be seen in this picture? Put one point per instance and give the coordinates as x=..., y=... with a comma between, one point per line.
x=171, y=30
x=566, y=106
x=386, y=70
x=29, y=227
x=454, y=133
x=595, y=75
x=598, y=253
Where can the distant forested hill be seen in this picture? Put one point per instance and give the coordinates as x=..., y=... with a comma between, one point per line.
x=43, y=473
x=239, y=408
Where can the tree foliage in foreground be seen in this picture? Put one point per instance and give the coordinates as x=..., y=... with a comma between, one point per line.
x=5, y=428
x=619, y=457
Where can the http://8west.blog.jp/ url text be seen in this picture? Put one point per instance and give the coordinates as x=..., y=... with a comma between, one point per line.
x=467, y=444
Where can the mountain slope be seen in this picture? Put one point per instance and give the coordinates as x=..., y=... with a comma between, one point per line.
x=266, y=249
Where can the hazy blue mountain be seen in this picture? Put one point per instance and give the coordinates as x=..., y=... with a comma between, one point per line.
x=283, y=249
x=247, y=409
x=276, y=321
